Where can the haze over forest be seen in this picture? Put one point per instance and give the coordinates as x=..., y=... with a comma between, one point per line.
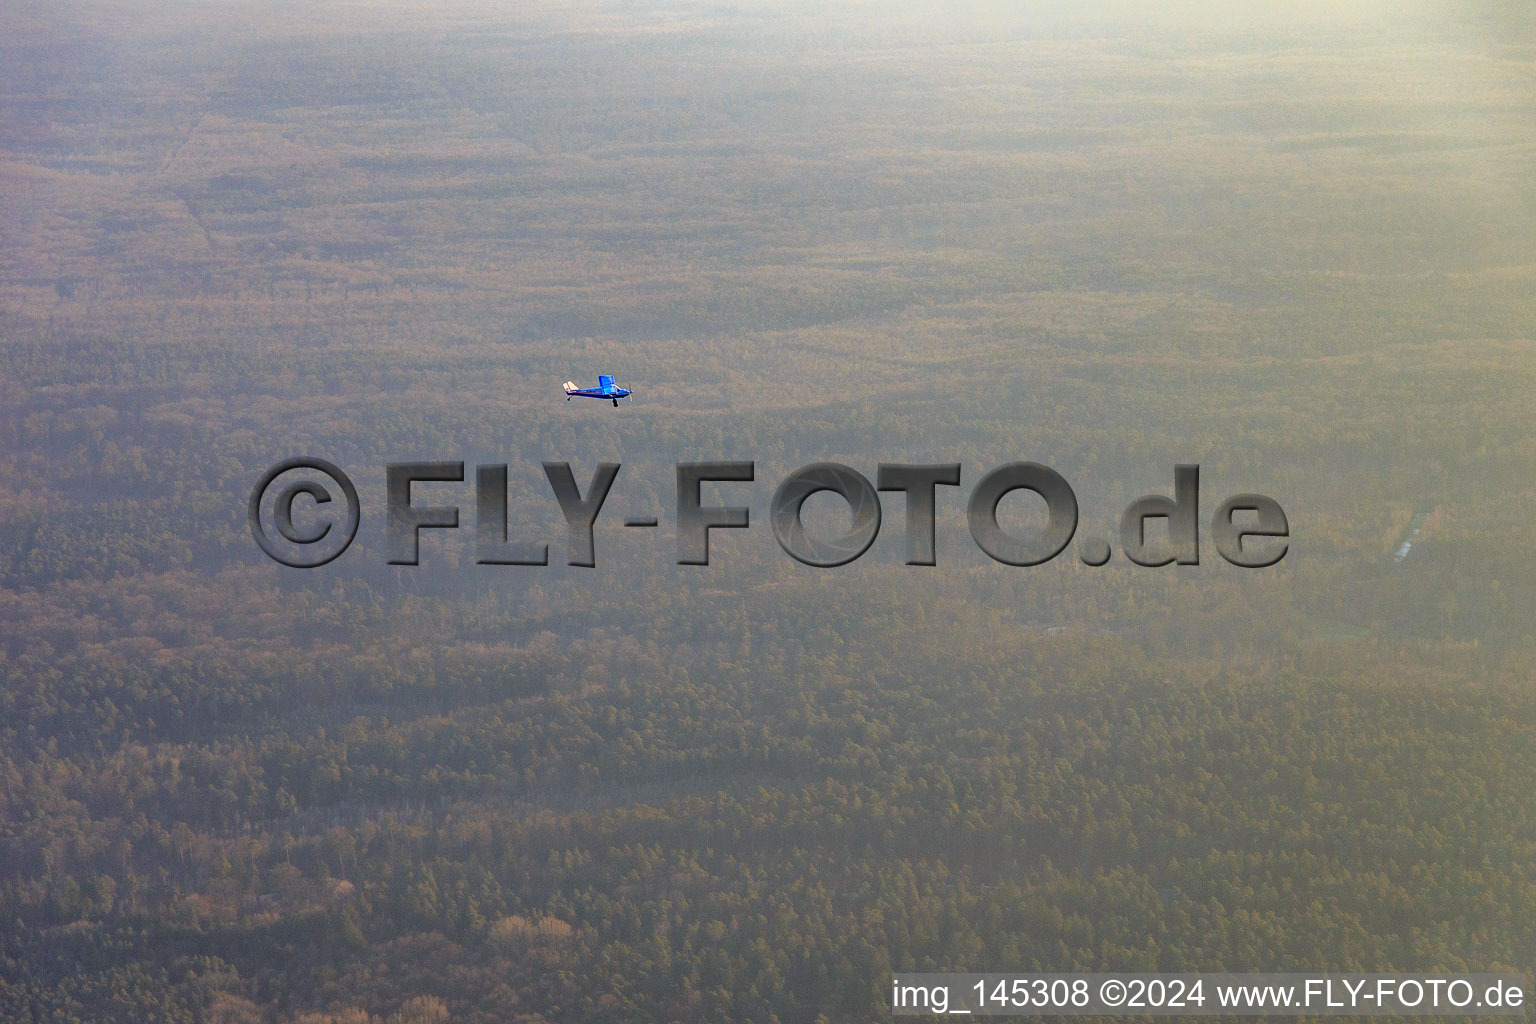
x=1296, y=246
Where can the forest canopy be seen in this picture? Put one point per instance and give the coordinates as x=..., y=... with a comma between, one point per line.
x=1298, y=251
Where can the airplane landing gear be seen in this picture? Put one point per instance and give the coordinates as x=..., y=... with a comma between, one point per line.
x=615, y=403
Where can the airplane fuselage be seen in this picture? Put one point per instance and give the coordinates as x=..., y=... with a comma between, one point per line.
x=606, y=389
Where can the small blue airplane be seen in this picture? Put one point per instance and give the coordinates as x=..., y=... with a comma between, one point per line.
x=606, y=388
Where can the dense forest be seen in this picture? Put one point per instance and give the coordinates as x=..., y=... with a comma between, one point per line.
x=1298, y=251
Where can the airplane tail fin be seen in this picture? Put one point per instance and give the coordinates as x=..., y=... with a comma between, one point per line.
x=570, y=386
